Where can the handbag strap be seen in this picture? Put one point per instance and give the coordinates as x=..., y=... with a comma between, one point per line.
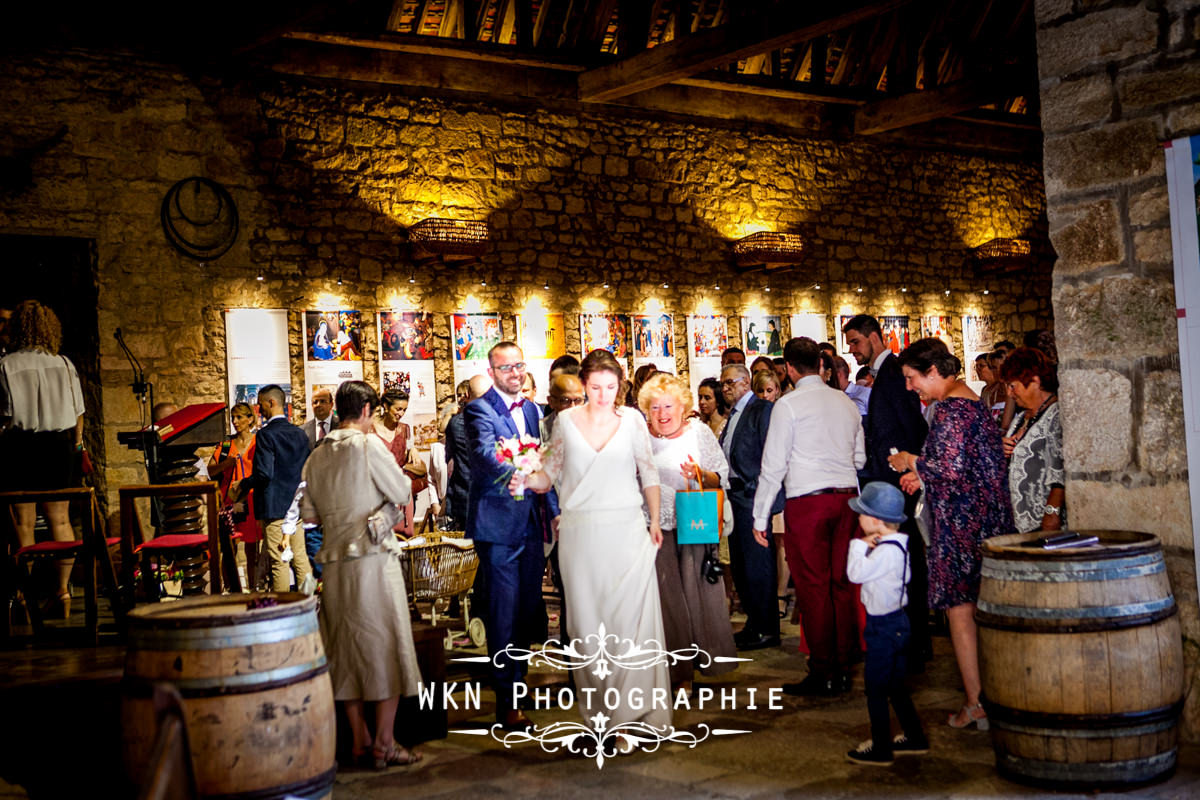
x=699, y=477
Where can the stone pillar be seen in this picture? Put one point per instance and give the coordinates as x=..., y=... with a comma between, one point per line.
x=1117, y=80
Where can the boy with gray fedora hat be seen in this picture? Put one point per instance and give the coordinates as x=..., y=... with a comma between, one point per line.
x=879, y=561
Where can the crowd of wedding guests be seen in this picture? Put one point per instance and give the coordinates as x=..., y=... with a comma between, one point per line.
x=889, y=481
x=792, y=441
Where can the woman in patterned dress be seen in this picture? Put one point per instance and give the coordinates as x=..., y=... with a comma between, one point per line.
x=1033, y=442
x=963, y=470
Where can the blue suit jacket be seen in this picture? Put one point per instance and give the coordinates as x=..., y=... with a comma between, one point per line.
x=493, y=515
x=746, y=449
x=280, y=451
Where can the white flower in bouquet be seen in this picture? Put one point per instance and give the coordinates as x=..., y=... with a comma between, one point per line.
x=523, y=454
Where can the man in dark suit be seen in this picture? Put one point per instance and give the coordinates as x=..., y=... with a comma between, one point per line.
x=458, y=451
x=508, y=533
x=894, y=420
x=323, y=419
x=753, y=565
x=280, y=451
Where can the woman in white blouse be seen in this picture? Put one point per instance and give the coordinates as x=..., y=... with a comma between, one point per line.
x=42, y=419
x=693, y=609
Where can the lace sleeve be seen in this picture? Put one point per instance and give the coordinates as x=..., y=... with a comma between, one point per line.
x=712, y=458
x=552, y=458
x=643, y=452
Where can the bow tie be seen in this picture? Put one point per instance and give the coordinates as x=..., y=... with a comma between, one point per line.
x=517, y=404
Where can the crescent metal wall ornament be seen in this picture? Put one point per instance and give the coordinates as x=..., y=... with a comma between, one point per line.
x=200, y=218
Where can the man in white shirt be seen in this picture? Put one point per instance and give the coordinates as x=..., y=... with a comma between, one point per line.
x=323, y=419
x=814, y=448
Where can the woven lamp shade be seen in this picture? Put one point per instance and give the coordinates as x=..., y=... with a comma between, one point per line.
x=766, y=247
x=1002, y=248
x=450, y=237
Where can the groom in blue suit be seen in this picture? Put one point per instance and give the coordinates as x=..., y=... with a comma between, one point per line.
x=508, y=533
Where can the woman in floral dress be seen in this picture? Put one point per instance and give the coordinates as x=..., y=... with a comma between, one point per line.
x=963, y=470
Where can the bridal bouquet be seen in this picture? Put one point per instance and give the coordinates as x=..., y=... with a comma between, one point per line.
x=522, y=453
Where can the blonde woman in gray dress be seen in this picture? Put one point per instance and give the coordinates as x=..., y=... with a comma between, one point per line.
x=364, y=608
x=602, y=465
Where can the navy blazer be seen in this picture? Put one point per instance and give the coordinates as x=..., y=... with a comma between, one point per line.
x=894, y=419
x=493, y=515
x=458, y=451
x=280, y=450
x=745, y=452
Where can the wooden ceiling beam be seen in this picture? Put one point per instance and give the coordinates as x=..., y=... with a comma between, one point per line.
x=917, y=107
x=710, y=48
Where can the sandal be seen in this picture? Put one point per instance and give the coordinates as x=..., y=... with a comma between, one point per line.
x=364, y=759
x=974, y=715
x=395, y=756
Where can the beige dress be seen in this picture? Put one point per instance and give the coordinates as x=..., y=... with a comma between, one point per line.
x=364, y=609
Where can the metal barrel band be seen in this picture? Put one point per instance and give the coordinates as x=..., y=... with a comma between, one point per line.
x=224, y=636
x=311, y=789
x=1016, y=717
x=1102, y=773
x=1063, y=556
x=1024, y=625
x=1045, y=572
x=136, y=686
x=1114, y=613
x=1086, y=733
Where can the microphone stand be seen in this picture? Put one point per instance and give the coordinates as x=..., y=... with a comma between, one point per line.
x=141, y=390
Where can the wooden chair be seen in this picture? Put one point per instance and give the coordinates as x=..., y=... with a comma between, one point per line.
x=90, y=551
x=188, y=548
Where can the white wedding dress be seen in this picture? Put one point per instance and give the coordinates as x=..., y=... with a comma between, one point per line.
x=607, y=562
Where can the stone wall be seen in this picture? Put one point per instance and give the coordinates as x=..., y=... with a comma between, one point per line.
x=327, y=179
x=1117, y=80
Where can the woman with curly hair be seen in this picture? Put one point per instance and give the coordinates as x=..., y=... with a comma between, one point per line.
x=41, y=416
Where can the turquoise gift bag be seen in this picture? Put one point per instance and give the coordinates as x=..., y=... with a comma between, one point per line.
x=698, y=517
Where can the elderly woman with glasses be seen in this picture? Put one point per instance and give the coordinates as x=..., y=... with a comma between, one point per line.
x=685, y=450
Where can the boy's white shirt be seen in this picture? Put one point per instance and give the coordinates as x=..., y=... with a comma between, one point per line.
x=883, y=574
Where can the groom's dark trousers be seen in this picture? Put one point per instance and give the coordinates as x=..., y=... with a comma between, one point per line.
x=508, y=537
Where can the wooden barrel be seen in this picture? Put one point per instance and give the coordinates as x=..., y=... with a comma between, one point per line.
x=256, y=693
x=1081, y=659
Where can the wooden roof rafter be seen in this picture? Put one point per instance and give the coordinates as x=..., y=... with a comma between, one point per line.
x=740, y=38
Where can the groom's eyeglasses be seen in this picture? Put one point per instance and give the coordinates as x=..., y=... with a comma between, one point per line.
x=507, y=368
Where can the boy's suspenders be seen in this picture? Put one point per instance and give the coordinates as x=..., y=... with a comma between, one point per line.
x=907, y=566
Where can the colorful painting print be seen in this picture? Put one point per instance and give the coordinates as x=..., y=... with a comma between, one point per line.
x=474, y=335
x=978, y=335
x=334, y=335
x=710, y=336
x=653, y=335
x=895, y=333
x=542, y=335
x=248, y=393
x=404, y=382
x=938, y=327
x=604, y=332
x=762, y=336
x=406, y=335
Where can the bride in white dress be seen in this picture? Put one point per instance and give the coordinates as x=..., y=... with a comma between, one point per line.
x=598, y=455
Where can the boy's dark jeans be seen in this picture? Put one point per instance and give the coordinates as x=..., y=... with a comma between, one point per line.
x=884, y=672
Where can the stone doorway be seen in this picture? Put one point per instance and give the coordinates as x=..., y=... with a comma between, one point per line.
x=60, y=272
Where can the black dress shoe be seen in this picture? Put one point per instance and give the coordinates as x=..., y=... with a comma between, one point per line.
x=841, y=683
x=759, y=642
x=811, y=686
x=745, y=635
